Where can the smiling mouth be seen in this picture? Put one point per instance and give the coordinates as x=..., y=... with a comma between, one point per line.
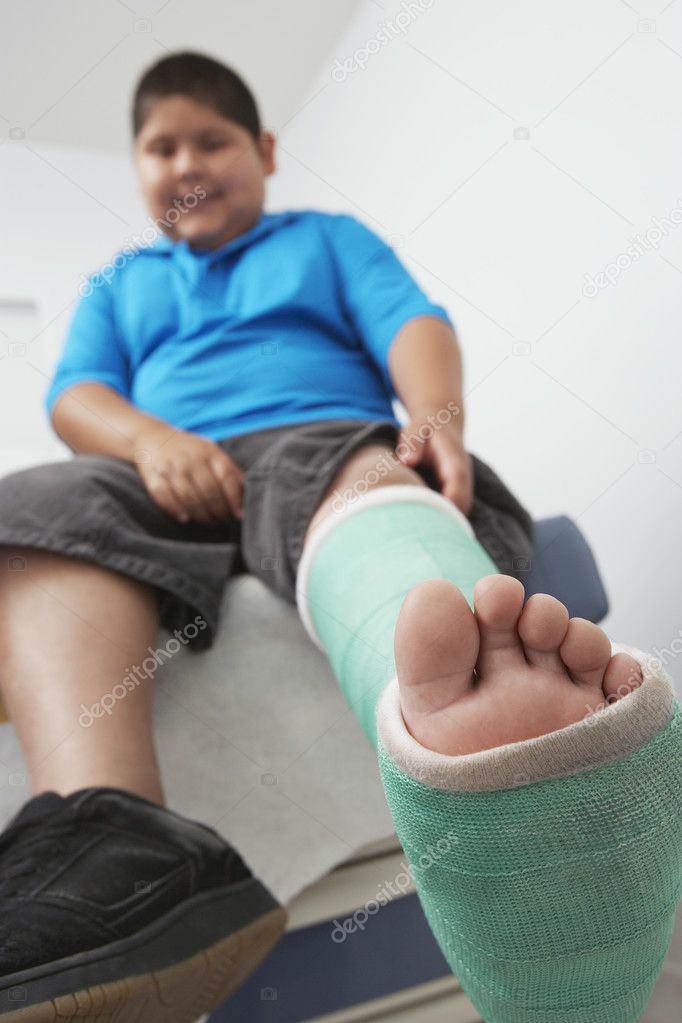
x=201, y=201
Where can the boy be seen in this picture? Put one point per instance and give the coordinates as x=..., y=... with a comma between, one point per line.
x=227, y=395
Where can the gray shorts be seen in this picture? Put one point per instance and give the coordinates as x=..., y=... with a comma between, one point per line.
x=96, y=508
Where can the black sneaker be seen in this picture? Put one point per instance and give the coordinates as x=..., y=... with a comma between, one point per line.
x=115, y=908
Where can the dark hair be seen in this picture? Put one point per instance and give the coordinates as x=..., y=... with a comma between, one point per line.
x=202, y=79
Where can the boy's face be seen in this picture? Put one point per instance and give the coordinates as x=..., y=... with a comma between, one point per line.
x=185, y=146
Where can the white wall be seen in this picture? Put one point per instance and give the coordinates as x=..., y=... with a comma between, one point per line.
x=568, y=397
x=71, y=210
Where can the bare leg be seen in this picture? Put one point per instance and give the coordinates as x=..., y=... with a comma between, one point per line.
x=69, y=632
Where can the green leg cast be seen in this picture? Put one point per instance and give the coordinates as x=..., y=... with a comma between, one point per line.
x=549, y=870
x=357, y=570
x=552, y=898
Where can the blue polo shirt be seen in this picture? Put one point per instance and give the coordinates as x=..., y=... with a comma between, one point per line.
x=289, y=322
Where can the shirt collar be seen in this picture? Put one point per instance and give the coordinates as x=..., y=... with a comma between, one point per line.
x=264, y=225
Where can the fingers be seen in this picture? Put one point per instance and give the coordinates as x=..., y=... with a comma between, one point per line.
x=456, y=483
x=444, y=452
x=189, y=494
x=220, y=484
x=163, y=494
x=175, y=492
x=212, y=494
x=230, y=479
x=208, y=490
x=412, y=455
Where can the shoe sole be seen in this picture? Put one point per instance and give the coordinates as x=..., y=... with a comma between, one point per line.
x=132, y=981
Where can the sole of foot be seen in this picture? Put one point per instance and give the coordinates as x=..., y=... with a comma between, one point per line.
x=502, y=673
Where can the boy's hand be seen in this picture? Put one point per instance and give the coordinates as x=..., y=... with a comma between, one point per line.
x=443, y=451
x=189, y=476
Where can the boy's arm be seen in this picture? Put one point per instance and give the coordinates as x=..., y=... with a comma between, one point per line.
x=413, y=344
x=96, y=419
x=425, y=364
x=88, y=399
x=188, y=475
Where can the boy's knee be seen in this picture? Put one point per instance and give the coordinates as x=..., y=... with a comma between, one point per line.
x=371, y=466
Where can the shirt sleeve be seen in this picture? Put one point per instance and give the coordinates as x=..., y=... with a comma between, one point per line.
x=93, y=351
x=377, y=292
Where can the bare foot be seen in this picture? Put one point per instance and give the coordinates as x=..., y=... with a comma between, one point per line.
x=471, y=681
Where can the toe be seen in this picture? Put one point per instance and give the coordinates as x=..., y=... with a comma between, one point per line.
x=542, y=628
x=623, y=674
x=436, y=645
x=585, y=651
x=498, y=600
